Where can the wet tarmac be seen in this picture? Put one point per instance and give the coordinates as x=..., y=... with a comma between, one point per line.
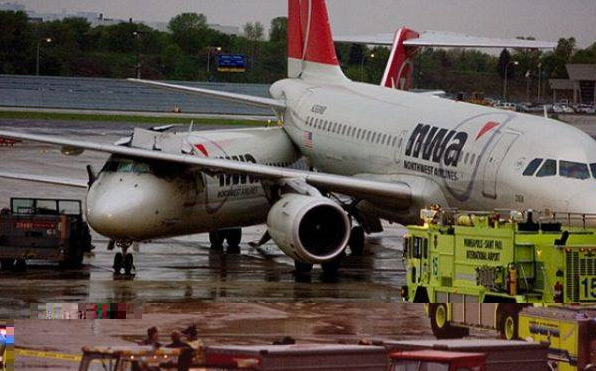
x=249, y=297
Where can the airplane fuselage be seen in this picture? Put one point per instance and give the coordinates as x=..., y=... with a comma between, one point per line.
x=134, y=199
x=450, y=153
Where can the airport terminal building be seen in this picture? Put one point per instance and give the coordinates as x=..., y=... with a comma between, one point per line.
x=581, y=84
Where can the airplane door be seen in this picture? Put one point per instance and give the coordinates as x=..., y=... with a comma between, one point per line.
x=400, y=146
x=493, y=163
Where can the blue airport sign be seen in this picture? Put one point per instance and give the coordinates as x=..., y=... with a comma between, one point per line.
x=231, y=63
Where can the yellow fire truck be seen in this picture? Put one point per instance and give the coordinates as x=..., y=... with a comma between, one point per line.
x=500, y=257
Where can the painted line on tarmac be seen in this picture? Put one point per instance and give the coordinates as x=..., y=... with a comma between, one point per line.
x=52, y=355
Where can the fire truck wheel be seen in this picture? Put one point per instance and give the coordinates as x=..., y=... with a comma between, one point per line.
x=302, y=267
x=6, y=264
x=216, y=239
x=440, y=325
x=356, y=241
x=20, y=265
x=128, y=264
x=233, y=237
x=118, y=262
x=509, y=322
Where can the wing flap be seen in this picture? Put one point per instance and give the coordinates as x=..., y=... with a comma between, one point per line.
x=366, y=189
x=67, y=182
x=234, y=97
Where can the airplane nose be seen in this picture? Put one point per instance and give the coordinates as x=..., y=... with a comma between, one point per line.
x=120, y=215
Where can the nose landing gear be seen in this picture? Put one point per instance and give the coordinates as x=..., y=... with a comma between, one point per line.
x=122, y=259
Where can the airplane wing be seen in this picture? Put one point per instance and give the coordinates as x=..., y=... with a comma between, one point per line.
x=274, y=104
x=68, y=182
x=357, y=187
x=448, y=40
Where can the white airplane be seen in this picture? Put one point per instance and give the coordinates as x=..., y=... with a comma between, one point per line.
x=392, y=152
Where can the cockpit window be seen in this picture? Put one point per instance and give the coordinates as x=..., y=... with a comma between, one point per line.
x=126, y=165
x=532, y=167
x=574, y=170
x=548, y=169
x=593, y=170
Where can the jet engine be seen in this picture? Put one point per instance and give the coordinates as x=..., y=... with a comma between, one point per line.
x=308, y=228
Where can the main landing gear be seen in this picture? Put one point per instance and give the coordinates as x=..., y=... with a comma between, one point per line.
x=232, y=236
x=122, y=260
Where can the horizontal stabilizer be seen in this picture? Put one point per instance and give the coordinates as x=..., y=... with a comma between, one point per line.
x=234, y=97
x=448, y=40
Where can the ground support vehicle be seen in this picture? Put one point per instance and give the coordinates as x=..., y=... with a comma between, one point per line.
x=437, y=360
x=43, y=229
x=500, y=257
x=499, y=354
x=128, y=358
x=321, y=357
x=571, y=332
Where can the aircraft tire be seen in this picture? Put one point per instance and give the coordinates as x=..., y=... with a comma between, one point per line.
x=508, y=328
x=20, y=265
x=233, y=237
x=216, y=239
x=6, y=264
x=118, y=262
x=302, y=267
x=128, y=263
x=356, y=241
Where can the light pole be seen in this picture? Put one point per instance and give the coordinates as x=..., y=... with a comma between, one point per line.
x=372, y=56
x=137, y=34
x=211, y=48
x=506, y=75
x=539, y=80
x=47, y=40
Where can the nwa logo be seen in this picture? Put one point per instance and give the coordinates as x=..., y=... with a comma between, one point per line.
x=437, y=145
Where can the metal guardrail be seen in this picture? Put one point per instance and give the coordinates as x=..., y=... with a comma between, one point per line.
x=120, y=95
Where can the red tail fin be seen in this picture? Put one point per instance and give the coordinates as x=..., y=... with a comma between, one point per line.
x=310, y=44
x=398, y=74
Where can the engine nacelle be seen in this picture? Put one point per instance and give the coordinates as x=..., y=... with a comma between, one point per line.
x=309, y=229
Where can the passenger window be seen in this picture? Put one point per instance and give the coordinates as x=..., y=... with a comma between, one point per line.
x=384, y=138
x=374, y=137
x=358, y=134
x=368, y=135
x=343, y=130
x=548, y=169
x=316, y=123
x=473, y=159
x=574, y=170
x=334, y=128
x=329, y=124
x=324, y=125
x=394, y=139
x=532, y=167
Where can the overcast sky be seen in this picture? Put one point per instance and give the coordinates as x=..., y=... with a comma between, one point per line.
x=544, y=19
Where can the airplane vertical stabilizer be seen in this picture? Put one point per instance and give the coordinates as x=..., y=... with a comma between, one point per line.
x=398, y=73
x=311, y=52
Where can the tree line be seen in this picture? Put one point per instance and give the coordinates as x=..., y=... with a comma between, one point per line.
x=71, y=47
